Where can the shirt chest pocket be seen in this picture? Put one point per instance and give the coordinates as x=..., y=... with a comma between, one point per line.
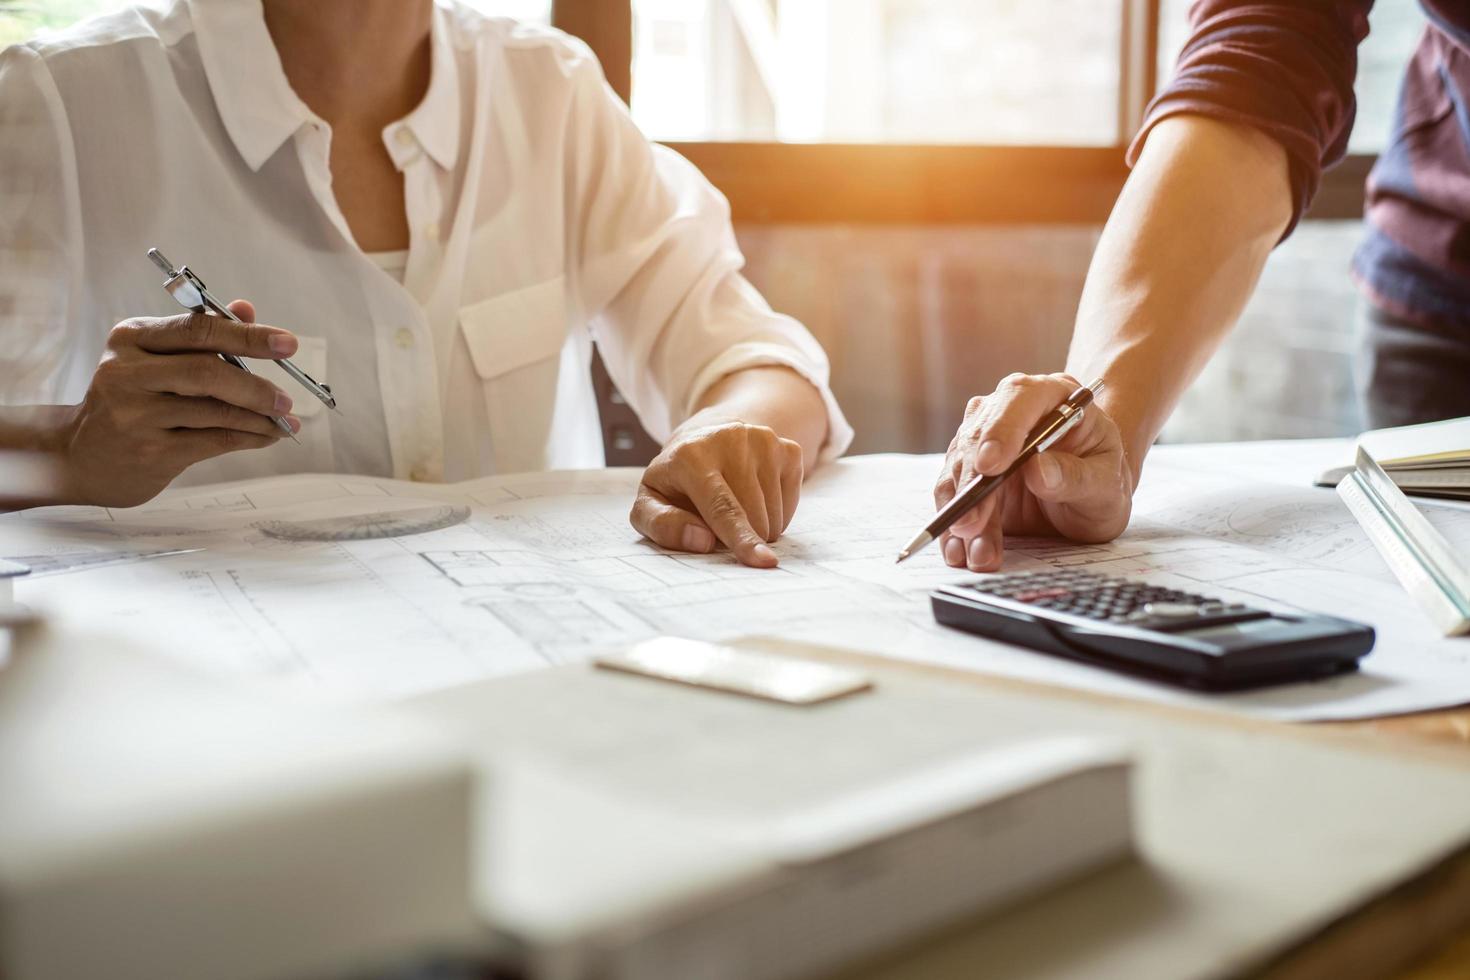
x=311, y=450
x=514, y=342
x=311, y=357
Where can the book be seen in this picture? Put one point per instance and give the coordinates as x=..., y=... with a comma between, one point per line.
x=638, y=828
x=1428, y=460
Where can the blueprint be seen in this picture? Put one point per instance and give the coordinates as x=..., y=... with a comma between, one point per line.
x=365, y=589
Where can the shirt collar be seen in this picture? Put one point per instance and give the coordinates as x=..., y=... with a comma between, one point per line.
x=435, y=120
x=261, y=111
x=259, y=108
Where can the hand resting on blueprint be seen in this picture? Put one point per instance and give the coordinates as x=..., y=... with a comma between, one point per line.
x=1081, y=489
x=732, y=472
x=161, y=400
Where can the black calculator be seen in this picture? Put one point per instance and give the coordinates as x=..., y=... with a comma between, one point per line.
x=1161, y=633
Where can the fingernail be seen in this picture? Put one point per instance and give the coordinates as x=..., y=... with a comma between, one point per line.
x=1050, y=470
x=698, y=540
x=283, y=344
x=988, y=456
x=979, y=552
x=294, y=423
x=764, y=553
x=283, y=403
x=954, y=553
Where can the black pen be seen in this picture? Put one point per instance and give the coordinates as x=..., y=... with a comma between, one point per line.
x=1056, y=424
x=189, y=290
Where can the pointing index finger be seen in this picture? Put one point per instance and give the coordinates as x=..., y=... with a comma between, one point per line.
x=722, y=511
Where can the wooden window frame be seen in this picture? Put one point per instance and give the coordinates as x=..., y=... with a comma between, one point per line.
x=825, y=183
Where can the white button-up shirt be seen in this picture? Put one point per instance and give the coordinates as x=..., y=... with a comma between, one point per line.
x=540, y=220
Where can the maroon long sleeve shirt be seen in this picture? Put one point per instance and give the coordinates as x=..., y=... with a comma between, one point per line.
x=1287, y=68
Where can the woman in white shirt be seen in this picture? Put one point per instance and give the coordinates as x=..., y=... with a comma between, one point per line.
x=441, y=211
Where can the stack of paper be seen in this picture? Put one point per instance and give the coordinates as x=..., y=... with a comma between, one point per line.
x=1430, y=460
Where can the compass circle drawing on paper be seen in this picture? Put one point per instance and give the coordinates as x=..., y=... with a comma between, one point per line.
x=366, y=527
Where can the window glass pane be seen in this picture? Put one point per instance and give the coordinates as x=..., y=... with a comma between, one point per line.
x=20, y=19
x=1173, y=32
x=1395, y=28
x=907, y=71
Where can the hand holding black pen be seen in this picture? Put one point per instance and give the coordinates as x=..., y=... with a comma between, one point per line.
x=190, y=292
x=167, y=393
x=1052, y=427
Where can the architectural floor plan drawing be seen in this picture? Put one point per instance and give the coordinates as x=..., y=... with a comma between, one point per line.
x=355, y=588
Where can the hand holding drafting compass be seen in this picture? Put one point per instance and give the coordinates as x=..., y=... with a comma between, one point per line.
x=190, y=292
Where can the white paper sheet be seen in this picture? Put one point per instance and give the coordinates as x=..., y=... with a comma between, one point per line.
x=531, y=570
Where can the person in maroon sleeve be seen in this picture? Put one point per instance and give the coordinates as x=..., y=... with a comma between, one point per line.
x=1228, y=159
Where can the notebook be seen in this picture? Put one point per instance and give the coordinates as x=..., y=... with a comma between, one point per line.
x=1429, y=460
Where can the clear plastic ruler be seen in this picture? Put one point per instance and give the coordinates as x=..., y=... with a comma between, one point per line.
x=1419, y=556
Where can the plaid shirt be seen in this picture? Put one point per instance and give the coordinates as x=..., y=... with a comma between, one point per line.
x=1287, y=68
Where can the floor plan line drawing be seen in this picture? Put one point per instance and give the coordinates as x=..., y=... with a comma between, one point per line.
x=262, y=618
x=543, y=568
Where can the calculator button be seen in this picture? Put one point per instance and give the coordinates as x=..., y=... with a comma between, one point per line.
x=1116, y=601
x=1040, y=593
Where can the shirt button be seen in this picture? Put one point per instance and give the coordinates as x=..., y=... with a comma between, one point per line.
x=419, y=474
x=404, y=136
x=431, y=232
x=404, y=338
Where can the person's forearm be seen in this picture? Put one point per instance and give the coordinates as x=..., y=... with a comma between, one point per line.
x=776, y=397
x=32, y=441
x=1179, y=258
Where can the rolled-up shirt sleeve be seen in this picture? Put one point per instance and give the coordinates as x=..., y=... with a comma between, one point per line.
x=40, y=233
x=656, y=270
x=1286, y=68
